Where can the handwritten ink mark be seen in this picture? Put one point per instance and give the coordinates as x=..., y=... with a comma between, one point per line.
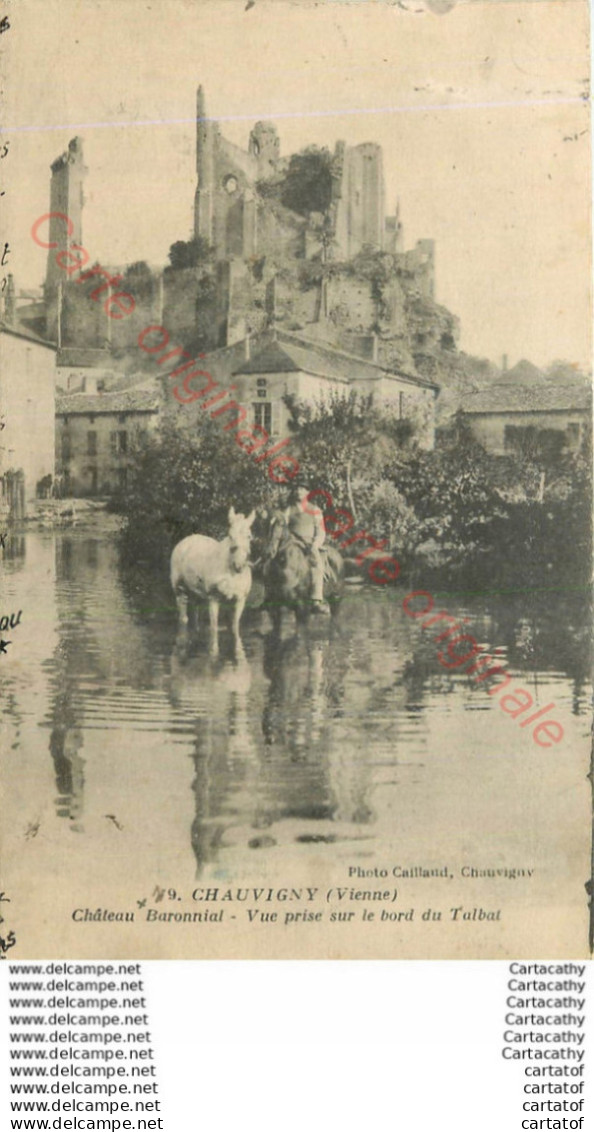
x=5, y=255
x=6, y=944
x=32, y=830
x=115, y=821
x=3, y=538
x=141, y=903
x=4, y=24
x=4, y=645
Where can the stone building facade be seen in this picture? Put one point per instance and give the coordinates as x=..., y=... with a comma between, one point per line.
x=27, y=403
x=259, y=372
x=509, y=419
x=96, y=434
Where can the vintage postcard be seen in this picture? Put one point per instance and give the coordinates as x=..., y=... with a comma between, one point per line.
x=295, y=467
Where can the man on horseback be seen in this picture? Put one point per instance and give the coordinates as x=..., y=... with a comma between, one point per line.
x=305, y=524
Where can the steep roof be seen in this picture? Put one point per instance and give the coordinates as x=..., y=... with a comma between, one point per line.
x=289, y=353
x=28, y=335
x=141, y=399
x=529, y=399
x=523, y=373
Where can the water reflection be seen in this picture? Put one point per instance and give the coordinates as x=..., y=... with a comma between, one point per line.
x=335, y=738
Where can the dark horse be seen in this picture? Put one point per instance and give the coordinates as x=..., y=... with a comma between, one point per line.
x=288, y=579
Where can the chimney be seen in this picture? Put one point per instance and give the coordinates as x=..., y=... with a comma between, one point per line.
x=8, y=302
x=161, y=296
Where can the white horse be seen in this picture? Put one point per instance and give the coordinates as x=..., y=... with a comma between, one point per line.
x=212, y=571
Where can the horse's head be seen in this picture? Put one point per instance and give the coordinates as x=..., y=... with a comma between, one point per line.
x=240, y=533
x=291, y=568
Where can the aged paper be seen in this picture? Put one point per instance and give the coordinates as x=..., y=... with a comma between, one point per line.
x=294, y=454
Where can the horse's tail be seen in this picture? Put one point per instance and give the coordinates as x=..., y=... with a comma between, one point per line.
x=175, y=570
x=334, y=564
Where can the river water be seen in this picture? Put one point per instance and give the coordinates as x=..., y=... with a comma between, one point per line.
x=123, y=757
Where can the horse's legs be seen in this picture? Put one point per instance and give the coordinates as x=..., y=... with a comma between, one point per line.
x=302, y=614
x=237, y=612
x=213, y=615
x=276, y=614
x=181, y=599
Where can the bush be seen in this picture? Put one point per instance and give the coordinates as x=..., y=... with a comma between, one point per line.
x=189, y=253
x=138, y=279
x=181, y=484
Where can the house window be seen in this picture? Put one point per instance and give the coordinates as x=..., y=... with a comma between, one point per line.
x=263, y=415
x=532, y=442
x=119, y=443
x=91, y=444
x=573, y=434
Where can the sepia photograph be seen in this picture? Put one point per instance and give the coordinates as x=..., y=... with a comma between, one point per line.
x=296, y=479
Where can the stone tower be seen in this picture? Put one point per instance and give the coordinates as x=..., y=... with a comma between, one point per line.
x=205, y=169
x=360, y=211
x=264, y=145
x=66, y=196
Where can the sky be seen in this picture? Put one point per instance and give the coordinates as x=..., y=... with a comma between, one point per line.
x=480, y=112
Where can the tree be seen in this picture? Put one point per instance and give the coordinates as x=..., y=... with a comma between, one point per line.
x=344, y=441
x=307, y=185
x=138, y=279
x=190, y=253
x=454, y=497
x=561, y=372
x=181, y=483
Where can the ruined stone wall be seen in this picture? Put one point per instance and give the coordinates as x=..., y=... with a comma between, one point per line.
x=350, y=303
x=419, y=264
x=84, y=321
x=281, y=234
x=180, y=301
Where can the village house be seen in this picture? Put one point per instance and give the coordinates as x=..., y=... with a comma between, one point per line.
x=311, y=371
x=261, y=371
x=509, y=419
x=27, y=400
x=84, y=370
x=95, y=436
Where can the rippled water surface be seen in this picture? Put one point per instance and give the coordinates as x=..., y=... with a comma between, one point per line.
x=121, y=752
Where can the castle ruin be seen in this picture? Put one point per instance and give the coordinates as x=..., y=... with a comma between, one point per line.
x=301, y=242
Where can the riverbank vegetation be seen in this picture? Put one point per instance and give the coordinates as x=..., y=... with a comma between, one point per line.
x=454, y=516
